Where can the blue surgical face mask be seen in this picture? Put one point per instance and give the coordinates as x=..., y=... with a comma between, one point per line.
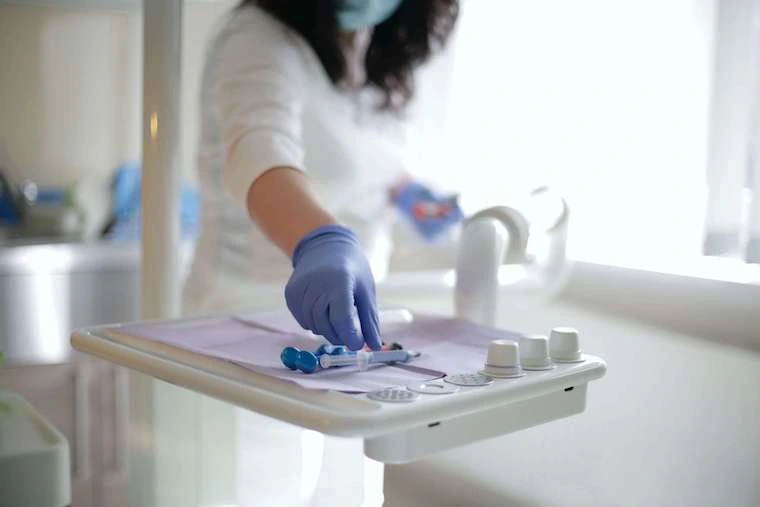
x=357, y=14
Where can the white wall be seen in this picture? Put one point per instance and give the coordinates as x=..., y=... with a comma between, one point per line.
x=65, y=92
x=732, y=124
x=607, y=101
x=70, y=90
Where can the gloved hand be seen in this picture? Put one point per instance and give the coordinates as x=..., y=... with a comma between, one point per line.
x=431, y=215
x=331, y=276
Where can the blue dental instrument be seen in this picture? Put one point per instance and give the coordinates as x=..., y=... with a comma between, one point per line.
x=308, y=362
x=288, y=357
x=330, y=356
x=333, y=350
x=363, y=358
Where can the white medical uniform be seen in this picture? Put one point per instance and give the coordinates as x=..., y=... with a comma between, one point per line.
x=267, y=102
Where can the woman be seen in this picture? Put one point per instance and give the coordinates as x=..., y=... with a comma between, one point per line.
x=301, y=154
x=300, y=167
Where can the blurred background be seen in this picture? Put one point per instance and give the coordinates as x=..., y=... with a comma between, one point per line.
x=644, y=110
x=644, y=115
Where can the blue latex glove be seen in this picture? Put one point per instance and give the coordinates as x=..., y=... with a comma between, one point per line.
x=431, y=215
x=332, y=281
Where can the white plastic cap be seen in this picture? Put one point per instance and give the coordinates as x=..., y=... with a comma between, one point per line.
x=503, y=359
x=362, y=359
x=564, y=344
x=534, y=352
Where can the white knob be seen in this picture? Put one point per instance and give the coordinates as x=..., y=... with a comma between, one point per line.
x=503, y=360
x=565, y=345
x=534, y=352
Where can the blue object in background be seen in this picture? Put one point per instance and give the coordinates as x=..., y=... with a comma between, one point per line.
x=10, y=213
x=50, y=197
x=432, y=216
x=126, y=190
x=127, y=204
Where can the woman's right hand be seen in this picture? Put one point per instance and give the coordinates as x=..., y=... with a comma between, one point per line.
x=331, y=282
x=432, y=216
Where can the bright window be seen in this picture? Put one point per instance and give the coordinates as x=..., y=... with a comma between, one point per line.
x=609, y=102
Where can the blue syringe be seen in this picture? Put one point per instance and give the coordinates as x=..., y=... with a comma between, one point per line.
x=364, y=358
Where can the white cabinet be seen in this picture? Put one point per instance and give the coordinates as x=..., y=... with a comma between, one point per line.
x=86, y=401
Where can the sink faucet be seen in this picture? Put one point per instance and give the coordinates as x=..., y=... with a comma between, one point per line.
x=499, y=240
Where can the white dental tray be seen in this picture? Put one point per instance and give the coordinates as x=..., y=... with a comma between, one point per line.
x=394, y=430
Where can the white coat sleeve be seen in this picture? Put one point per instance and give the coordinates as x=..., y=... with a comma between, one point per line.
x=258, y=92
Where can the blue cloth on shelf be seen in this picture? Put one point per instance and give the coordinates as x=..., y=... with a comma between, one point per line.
x=127, y=205
x=9, y=213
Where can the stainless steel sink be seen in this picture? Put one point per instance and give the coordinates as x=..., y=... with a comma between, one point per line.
x=48, y=289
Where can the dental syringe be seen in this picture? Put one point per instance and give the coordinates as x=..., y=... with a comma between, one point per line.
x=364, y=358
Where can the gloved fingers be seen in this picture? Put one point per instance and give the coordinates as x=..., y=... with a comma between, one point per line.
x=320, y=312
x=367, y=310
x=294, y=299
x=341, y=317
x=310, y=295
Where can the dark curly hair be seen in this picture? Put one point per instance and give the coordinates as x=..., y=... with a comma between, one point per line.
x=398, y=45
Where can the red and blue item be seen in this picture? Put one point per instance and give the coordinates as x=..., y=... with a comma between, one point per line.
x=432, y=216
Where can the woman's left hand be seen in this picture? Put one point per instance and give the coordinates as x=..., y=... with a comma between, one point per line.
x=431, y=215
